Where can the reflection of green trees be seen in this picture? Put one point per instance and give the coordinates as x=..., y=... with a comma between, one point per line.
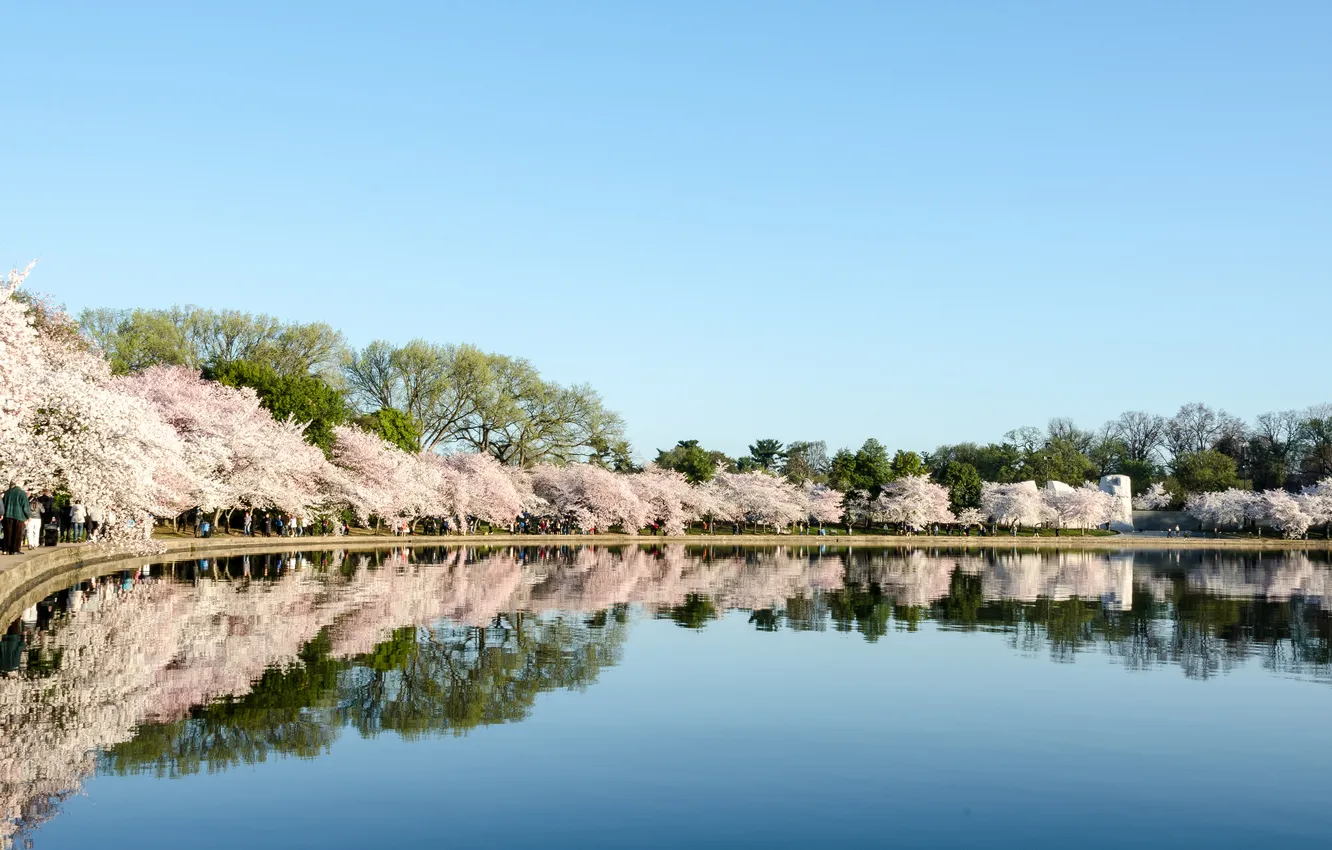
x=1200, y=632
x=862, y=608
x=280, y=714
x=446, y=678
x=453, y=678
x=693, y=613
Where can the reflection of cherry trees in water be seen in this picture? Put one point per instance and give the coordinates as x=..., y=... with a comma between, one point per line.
x=203, y=667
x=1203, y=611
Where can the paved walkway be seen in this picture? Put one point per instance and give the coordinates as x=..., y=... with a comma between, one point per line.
x=9, y=562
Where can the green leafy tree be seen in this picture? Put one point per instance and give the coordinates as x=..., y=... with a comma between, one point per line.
x=304, y=398
x=1207, y=471
x=905, y=464
x=459, y=395
x=964, y=485
x=133, y=340
x=806, y=462
x=696, y=463
x=393, y=426
x=873, y=468
x=998, y=462
x=198, y=338
x=1140, y=472
x=612, y=454
x=842, y=471
x=1058, y=459
x=766, y=454
x=1108, y=454
x=1317, y=437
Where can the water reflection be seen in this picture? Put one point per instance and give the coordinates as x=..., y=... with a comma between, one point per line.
x=203, y=665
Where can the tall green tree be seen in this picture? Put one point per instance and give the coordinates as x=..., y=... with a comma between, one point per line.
x=806, y=462
x=767, y=454
x=1316, y=462
x=304, y=398
x=462, y=397
x=905, y=464
x=964, y=485
x=873, y=468
x=393, y=426
x=197, y=337
x=842, y=471
x=1058, y=459
x=696, y=463
x=998, y=462
x=1207, y=471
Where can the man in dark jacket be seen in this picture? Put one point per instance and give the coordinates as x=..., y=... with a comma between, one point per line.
x=16, y=514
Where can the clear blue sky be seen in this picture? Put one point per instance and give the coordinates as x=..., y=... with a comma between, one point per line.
x=923, y=222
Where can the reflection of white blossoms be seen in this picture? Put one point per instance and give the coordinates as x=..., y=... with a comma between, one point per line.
x=154, y=648
x=919, y=578
x=1281, y=578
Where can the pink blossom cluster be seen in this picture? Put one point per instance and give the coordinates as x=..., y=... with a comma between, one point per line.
x=914, y=501
x=65, y=422
x=1290, y=513
x=1155, y=498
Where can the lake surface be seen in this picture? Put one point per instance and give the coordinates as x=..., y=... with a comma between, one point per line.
x=672, y=696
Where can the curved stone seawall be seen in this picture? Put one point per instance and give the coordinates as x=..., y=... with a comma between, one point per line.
x=32, y=578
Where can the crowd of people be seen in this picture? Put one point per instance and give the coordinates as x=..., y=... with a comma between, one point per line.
x=41, y=519
x=274, y=524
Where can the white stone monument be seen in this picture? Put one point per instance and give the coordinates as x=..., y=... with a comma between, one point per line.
x=1121, y=488
x=1056, y=488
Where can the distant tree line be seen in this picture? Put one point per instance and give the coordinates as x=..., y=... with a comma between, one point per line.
x=1199, y=449
x=420, y=396
x=424, y=396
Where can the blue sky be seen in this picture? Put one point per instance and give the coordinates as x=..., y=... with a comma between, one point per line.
x=924, y=222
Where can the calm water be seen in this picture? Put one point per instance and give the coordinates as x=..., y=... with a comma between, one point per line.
x=668, y=697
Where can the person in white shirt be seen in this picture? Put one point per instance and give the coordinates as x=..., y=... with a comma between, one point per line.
x=78, y=515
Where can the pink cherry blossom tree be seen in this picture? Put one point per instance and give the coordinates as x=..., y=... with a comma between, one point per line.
x=1317, y=503
x=1156, y=498
x=21, y=368
x=760, y=498
x=1224, y=507
x=666, y=497
x=589, y=497
x=484, y=490
x=238, y=454
x=1285, y=512
x=1082, y=507
x=967, y=517
x=915, y=502
x=825, y=504
x=1013, y=505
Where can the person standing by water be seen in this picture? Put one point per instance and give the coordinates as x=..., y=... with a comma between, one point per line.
x=17, y=511
x=249, y=523
x=78, y=516
x=34, y=524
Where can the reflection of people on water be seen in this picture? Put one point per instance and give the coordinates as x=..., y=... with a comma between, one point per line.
x=11, y=648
